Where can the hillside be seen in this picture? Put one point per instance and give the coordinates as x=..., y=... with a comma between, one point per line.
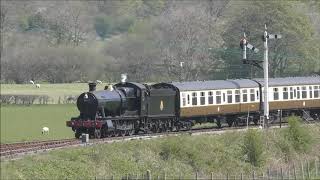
x=68, y=41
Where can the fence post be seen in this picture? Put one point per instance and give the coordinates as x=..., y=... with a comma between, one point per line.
x=253, y=175
x=281, y=173
x=308, y=170
x=241, y=176
x=227, y=176
x=289, y=172
x=112, y=177
x=268, y=174
x=316, y=166
x=294, y=172
x=302, y=169
x=211, y=175
x=148, y=175
x=197, y=175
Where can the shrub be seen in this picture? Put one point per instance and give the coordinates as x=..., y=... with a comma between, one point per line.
x=253, y=148
x=297, y=135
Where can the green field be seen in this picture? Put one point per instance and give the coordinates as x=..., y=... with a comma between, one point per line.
x=54, y=91
x=24, y=123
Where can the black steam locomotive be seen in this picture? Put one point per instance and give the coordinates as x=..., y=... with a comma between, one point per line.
x=128, y=108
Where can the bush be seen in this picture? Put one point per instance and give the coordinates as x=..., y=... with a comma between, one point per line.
x=297, y=135
x=253, y=148
x=103, y=26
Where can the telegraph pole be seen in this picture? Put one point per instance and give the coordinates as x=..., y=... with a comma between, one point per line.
x=265, y=38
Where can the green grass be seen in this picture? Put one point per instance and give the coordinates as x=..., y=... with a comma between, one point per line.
x=54, y=91
x=24, y=123
x=182, y=155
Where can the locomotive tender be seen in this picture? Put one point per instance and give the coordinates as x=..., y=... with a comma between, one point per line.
x=128, y=108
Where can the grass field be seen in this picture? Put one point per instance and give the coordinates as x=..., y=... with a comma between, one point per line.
x=54, y=91
x=24, y=123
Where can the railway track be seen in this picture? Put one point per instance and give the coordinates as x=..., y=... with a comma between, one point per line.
x=11, y=150
x=15, y=150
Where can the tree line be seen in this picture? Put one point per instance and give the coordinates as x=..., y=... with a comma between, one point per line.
x=160, y=40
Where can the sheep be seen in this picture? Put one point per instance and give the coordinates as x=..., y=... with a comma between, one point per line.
x=45, y=130
x=98, y=81
x=37, y=85
x=32, y=82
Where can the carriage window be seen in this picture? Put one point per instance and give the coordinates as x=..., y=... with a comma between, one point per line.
x=202, y=98
x=310, y=91
x=194, y=98
x=252, y=96
x=316, y=91
x=218, y=97
x=304, y=92
x=210, y=97
x=298, y=92
x=244, y=96
x=285, y=93
x=237, y=96
x=257, y=93
x=291, y=93
x=183, y=95
x=275, y=93
x=229, y=96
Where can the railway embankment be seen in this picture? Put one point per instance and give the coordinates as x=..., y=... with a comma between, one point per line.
x=228, y=153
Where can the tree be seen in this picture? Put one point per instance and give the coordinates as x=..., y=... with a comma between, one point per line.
x=286, y=55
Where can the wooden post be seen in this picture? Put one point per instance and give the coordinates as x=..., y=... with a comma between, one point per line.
x=196, y=175
x=281, y=173
x=302, y=169
x=253, y=175
x=268, y=175
x=289, y=173
x=263, y=175
x=112, y=177
x=316, y=167
x=294, y=172
x=308, y=170
x=241, y=176
x=211, y=175
x=148, y=175
x=227, y=176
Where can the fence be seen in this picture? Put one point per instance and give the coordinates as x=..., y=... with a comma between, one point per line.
x=36, y=99
x=303, y=170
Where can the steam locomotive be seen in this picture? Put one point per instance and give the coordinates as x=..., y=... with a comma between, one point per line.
x=129, y=108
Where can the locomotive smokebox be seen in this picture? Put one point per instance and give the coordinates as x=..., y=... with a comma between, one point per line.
x=92, y=86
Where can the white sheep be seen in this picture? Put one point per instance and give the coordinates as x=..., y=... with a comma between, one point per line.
x=37, y=85
x=98, y=81
x=45, y=130
x=32, y=82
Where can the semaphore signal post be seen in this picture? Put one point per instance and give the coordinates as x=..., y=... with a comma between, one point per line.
x=265, y=38
x=244, y=45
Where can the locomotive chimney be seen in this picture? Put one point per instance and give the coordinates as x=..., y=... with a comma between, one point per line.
x=123, y=78
x=92, y=86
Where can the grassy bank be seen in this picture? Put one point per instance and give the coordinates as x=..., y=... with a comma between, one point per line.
x=183, y=155
x=24, y=123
